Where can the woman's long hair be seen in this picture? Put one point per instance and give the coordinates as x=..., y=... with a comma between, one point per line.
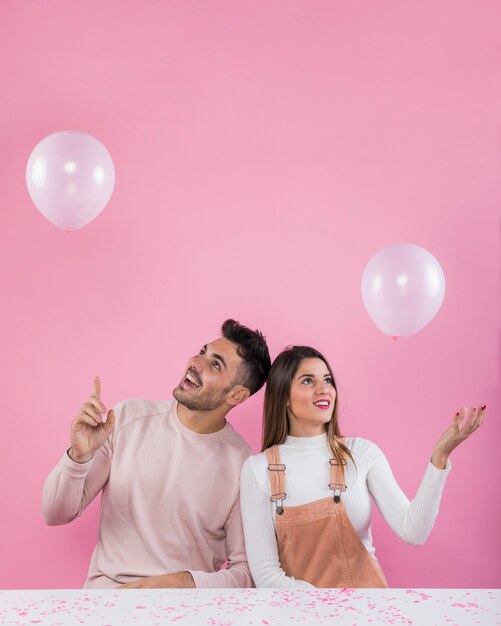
x=278, y=387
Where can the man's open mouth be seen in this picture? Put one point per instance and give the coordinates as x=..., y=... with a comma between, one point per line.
x=192, y=381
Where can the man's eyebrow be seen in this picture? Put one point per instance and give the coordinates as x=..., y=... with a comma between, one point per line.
x=214, y=355
x=219, y=358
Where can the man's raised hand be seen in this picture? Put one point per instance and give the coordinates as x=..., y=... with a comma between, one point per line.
x=88, y=431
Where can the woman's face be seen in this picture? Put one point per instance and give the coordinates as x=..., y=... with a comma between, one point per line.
x=311, y=401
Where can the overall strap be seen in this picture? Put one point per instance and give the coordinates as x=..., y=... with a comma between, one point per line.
x=277, y=478
x=337, y=476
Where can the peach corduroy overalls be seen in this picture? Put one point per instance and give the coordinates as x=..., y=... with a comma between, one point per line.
x=316, y=541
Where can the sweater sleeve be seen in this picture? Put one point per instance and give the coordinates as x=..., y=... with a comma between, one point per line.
x=237, y=573
x=411, y=520
x=71, y=486
x=259, y=532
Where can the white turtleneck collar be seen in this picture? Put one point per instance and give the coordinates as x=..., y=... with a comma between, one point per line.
x=318, y=441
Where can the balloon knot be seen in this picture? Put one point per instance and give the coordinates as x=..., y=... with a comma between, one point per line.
x=395, y=338
x=68, y=232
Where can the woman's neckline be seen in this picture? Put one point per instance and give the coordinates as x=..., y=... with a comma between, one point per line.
x=317, y=441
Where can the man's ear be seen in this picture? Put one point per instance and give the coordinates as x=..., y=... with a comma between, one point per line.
x=237, y=395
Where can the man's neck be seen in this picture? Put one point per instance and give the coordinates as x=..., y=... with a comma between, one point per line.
x=202, y=422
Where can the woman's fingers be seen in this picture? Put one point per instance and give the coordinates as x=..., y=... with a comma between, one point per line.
x=468, y=426
x=459, y=418
x=473, y=420
x=479, y=417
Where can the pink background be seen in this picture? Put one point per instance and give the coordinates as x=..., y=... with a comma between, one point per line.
x=264, y=151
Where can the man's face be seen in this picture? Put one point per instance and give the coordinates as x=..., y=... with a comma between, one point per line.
x=209, y=376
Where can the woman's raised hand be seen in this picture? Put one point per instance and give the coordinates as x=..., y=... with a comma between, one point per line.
x=465, y=422
x=88, y=431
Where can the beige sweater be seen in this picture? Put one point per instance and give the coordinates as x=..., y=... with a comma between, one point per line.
x=170, y=499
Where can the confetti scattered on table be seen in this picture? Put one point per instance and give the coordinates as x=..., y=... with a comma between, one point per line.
x=251, y=607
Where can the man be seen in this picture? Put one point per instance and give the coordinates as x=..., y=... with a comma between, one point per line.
x=169, y=472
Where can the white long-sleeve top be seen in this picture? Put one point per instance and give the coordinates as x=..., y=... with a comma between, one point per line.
x=307, y=480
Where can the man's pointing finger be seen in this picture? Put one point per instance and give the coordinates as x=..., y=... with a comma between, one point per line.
x=97, y=387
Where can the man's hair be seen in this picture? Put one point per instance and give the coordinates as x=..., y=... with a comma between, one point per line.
x=253, y=351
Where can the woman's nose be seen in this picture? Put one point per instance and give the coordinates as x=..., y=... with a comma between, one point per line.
x=321, y=386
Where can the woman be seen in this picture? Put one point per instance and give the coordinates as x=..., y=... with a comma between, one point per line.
x=306, y=498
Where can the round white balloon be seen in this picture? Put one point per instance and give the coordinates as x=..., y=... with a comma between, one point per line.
x=70, y=177
x=403, y=287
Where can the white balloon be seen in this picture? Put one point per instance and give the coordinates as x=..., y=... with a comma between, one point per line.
x=70, y=177
x=403, y=287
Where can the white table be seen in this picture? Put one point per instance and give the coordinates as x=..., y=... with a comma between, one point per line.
x=257, y=607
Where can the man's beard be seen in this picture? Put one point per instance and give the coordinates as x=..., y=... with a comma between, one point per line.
x=206, y=401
